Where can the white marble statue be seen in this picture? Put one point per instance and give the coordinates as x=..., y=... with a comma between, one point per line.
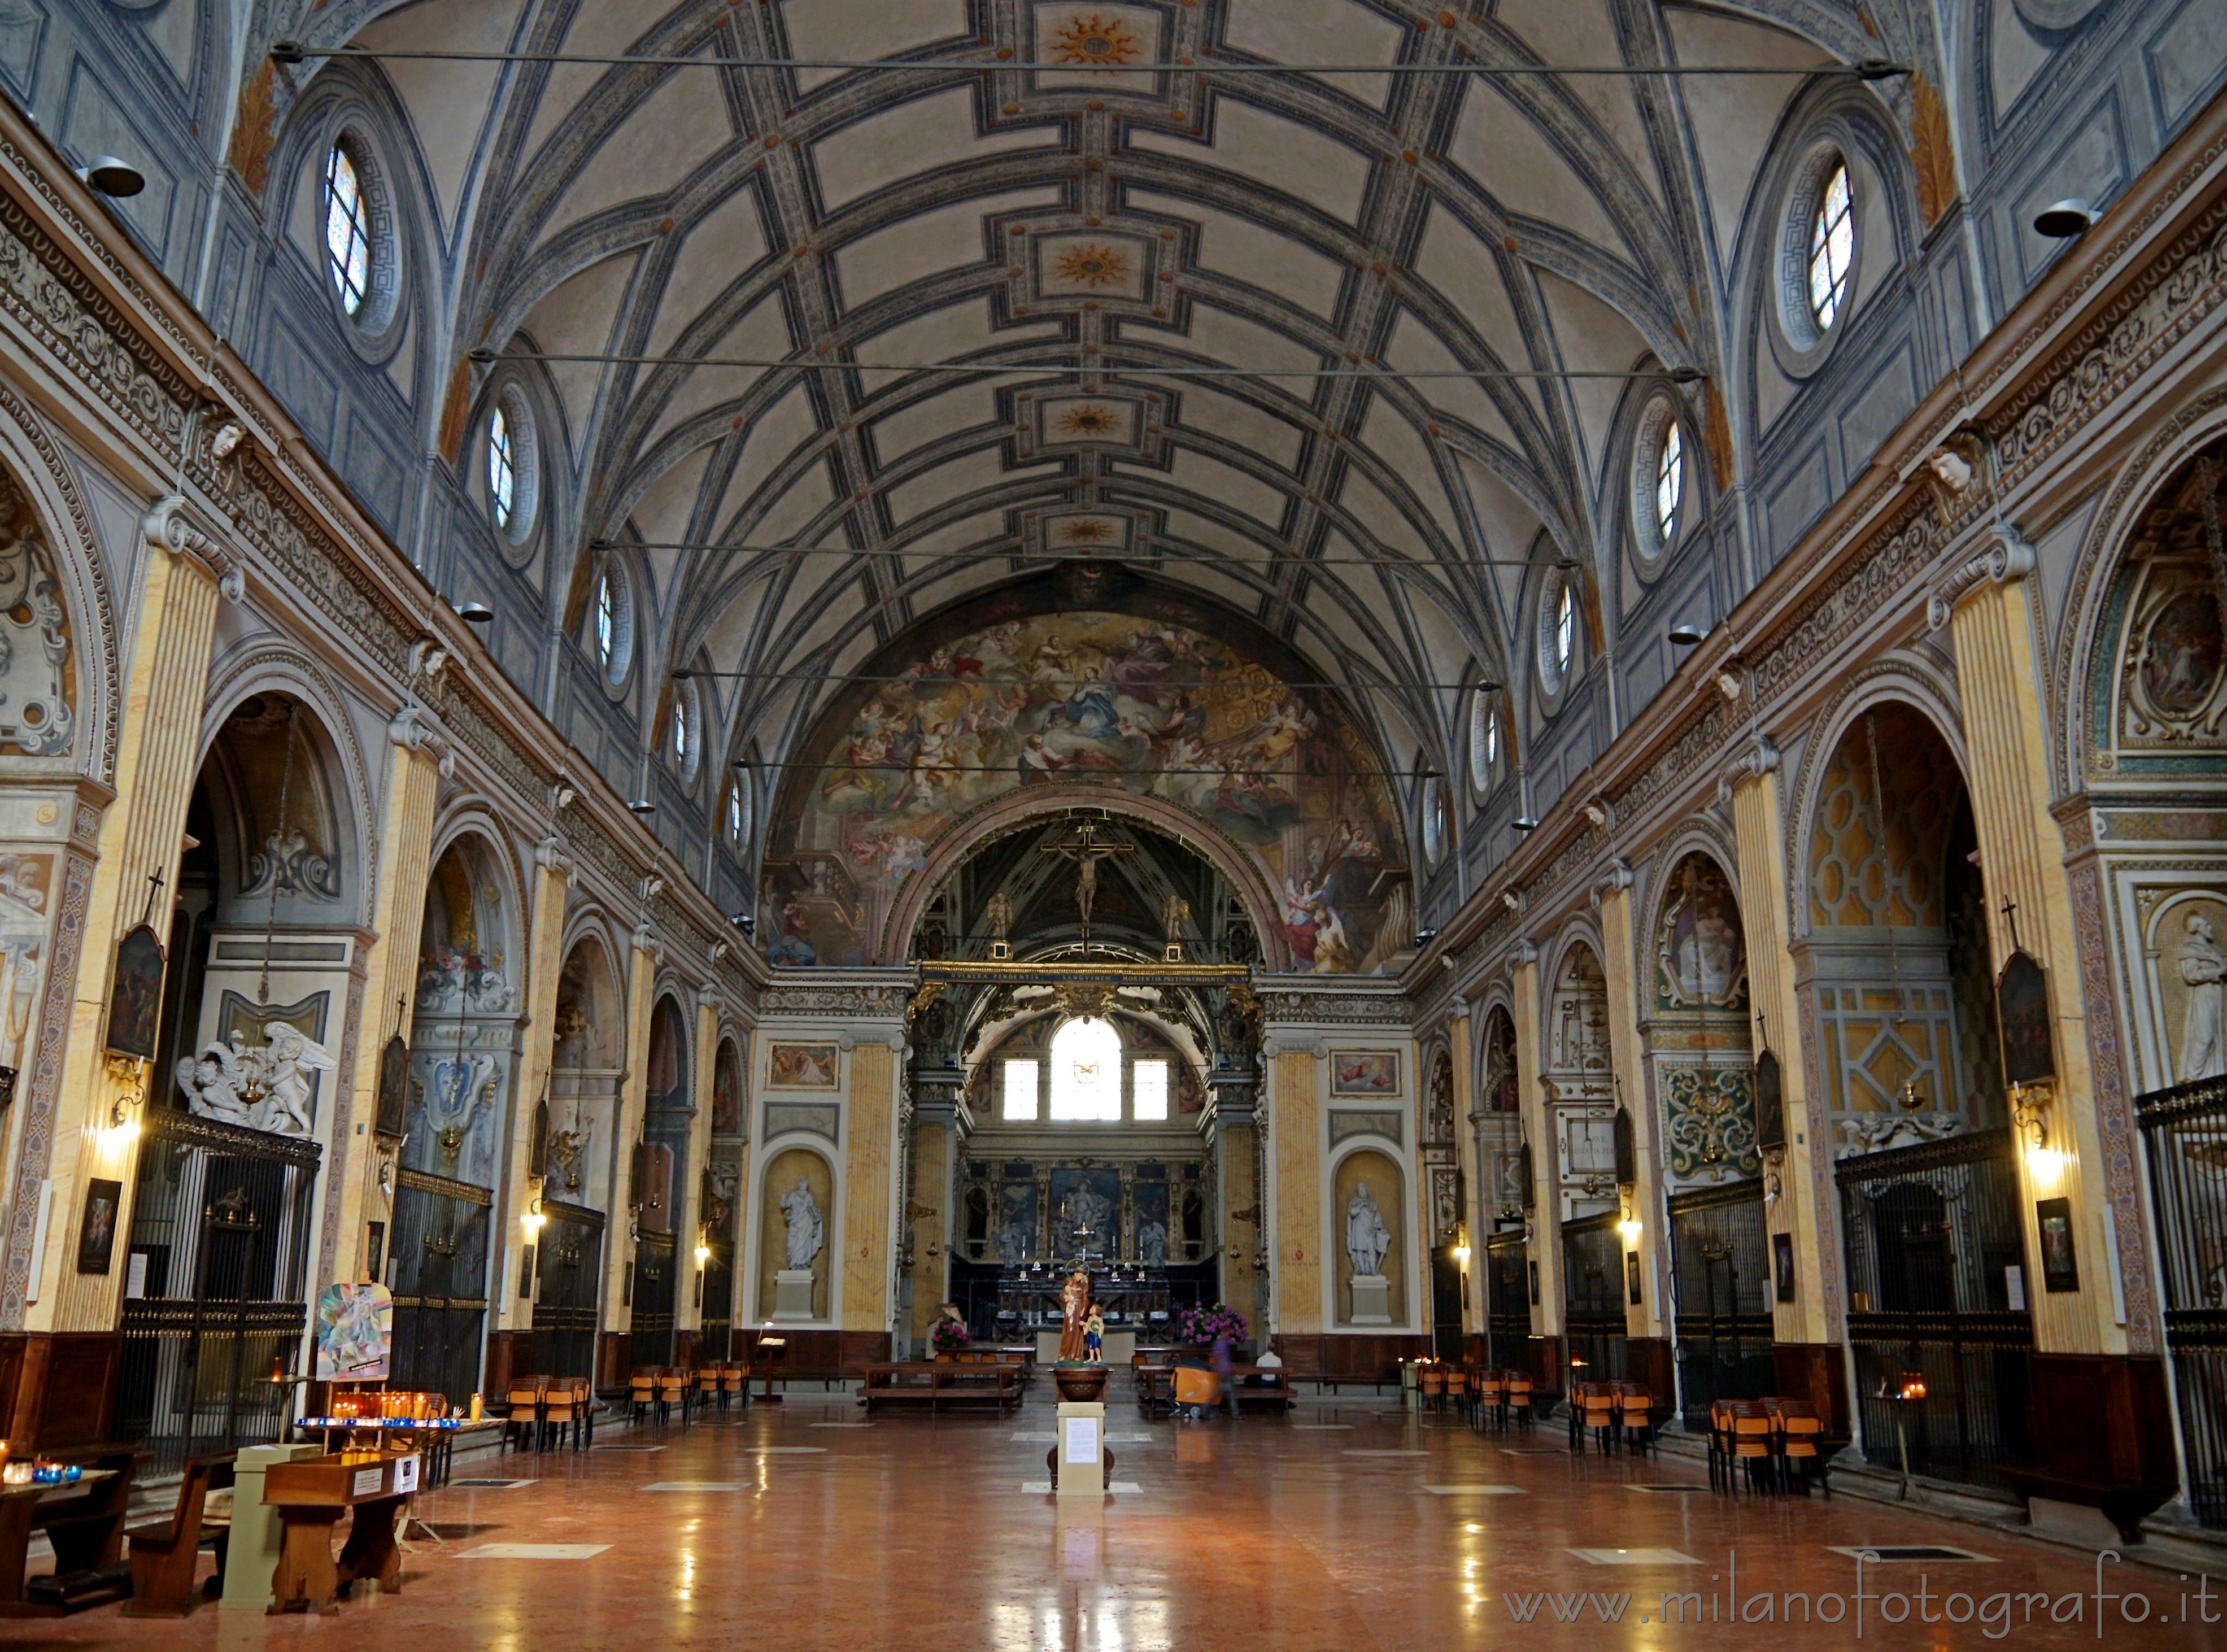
x=1153, y=1242
x=801, y=1212
x=270, y=1089
x=2204, y=966
x=1366, y=1238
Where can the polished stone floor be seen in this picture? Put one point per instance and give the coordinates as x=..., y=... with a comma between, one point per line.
x=1351, y=1526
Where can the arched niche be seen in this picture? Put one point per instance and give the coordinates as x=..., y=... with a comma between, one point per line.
x=589, y=1035
x=728, y=1094
x=1896, y=934
x=1386, y=1184
x=1580, y=1087
x=1499, y=1123
x=668, y=1114
x=264, y=923
x=1698, y=1025
x=783, y=1172
x=40, y=682
x=464, y=1030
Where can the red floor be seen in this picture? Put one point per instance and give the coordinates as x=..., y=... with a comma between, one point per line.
x=917, y=1534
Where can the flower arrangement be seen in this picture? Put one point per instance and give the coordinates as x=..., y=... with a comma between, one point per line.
x=1201, y=1326
x=950, y=1336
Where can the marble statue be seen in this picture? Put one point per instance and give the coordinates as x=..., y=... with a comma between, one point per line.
x=1153, y=1242
x=271, y=1088
x=1085, y=1222
x=801, y=1212
x=2204, y=966
x=1366, y=1238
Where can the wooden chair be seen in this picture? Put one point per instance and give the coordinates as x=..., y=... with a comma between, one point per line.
x=1492, y=1395
x=1750, y=1435
x=641, y=1392
x=1594, y=1404
x=734, y=1378
x=164, y=1555
x=1434, y=1387
x=674, y=1387
x=1798, y=1429
x=1519, y=1397
x=1635, y=1409
x=564, y=1410
x=524, y=1420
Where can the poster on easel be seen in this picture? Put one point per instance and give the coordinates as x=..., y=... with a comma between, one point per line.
x=355, y=1333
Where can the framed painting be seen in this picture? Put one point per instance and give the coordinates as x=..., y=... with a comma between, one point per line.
x=393, y=1110
x=1364, y=1071
x=96, y=1237
x=2022, y=1014
x=1631, y=1278
x=804, y=1067
x=135, y=996
x=356, y=1332
x=1782, y=1264
x=2060, y=1267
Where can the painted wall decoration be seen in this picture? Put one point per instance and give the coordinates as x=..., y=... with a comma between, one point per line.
x=1711, y=1125
x=1085, y=1212
x=2159, y=691
x=1364, y=1071
x=1700, y=950
x=1159, y=704
x=804, y=1067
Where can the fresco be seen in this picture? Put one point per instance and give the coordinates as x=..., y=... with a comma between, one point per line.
x=1153, y=705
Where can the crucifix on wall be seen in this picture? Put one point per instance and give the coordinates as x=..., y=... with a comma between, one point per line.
x=1086, y=851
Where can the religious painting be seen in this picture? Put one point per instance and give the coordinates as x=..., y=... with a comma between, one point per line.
x=1158, y=704
x=1633, y=1287
x=1015, y=1240
x=96, y=1237
x=726, y=1093
x=1445, y=1202
x=1782, y=1264
x=393, y=1111
x=356, y=1332
x=1364, y=1071
x=135, y=996
x=2022, y=1015
x=1770, y=1104
x=1701, y=949
x=1085, y=1212
x=1153, y=1239
x=804, y=1067
x=2176, y=657
x=2060, y=1267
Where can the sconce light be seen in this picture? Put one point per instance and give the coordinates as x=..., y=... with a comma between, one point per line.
x=1629, y=1229
x=703, y=1254
x=130, y=1074
x=2029, y=1110
x=534, y=1221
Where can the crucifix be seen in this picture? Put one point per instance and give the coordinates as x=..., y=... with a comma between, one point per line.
x=2010, y=916
x=1086, y=851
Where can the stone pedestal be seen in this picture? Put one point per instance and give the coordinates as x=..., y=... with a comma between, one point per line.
x=1372, y=1299
x=1081, y=1449
x=252, y=1551
x=791, y=1295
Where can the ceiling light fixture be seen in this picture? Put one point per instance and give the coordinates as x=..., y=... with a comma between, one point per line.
x=1524, y=823
x=290, y=53
x=1685, y=636
x=474, y=613
x=117, y=179
x=2066, y=219
x=642, y=806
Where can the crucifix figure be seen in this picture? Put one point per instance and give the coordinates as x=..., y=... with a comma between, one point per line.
x=1086, y=851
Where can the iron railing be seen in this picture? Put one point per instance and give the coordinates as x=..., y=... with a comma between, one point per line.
x=1506, y=1304
x=1719, y=1279
x=1593, y=1298
x=214, y=1286
x=568, y=1270
x=2184, y=1131
x=437, y=1269
x=1939, y=1285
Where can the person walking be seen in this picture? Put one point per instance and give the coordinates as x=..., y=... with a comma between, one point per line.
x=1224, y=1368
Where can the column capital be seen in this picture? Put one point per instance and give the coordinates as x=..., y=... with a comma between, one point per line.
x=2002, y=555
x=174, y=527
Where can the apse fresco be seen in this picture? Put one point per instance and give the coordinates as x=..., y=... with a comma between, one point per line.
x=1154, y=706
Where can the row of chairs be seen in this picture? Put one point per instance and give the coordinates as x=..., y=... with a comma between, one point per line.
x=547, y=1411
x=1478, y=1394
x=1763, y=1441
x=1620, y=1415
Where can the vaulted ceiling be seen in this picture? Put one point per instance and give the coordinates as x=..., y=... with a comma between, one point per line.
x=1090, y=231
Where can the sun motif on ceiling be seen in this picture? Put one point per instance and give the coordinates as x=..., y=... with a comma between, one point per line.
x=1088, y=529
x=1095, y=41
x=1089, y=265
x=1089, y=419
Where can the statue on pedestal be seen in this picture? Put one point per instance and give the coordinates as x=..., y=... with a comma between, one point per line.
x=1074, y=1314
x=801, y=1212
x=1366, y=1238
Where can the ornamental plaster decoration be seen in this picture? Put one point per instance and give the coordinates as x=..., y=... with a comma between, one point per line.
x=268, y=1087
x=2004, y=555
x=36, y=716
x=1876, y=1133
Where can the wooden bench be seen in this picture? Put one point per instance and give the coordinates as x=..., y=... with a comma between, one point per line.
x=84, y=1522
x=935, y=1383
x=164, y=1555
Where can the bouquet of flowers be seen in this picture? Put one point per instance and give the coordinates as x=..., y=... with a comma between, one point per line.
x=950, y=1336
x=1201, y=1326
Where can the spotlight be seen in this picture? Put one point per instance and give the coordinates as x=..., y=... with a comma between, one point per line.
x=1524, y=823
x=480, y=355
x=743, y=922
x=643, y=806
x=1489, y=686
x=112, y=178
x=1685, y=636
x=289, y=52
x=1879, y=68
x=474, y=613
x=2066, y=219
x=1424, y=937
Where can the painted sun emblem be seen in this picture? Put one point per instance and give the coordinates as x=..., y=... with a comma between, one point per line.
x=1092, y=265
x=1095, y=41
x=1088, y=530
x=1089, y=419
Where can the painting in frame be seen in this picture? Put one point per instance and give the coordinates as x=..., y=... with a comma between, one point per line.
x=1364, y=1071
x=804, y=1067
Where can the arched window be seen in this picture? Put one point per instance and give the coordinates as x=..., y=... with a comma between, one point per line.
x=347, y=230
x=607, y=621
x=1085, y=1070
x=682, y=735
x=610, y=623
x=1484, y=739
x=1831, y=249
x=502, y=467
x=1669, y=481
x=1434, y=821
x=738, y=813
x=1019, y=1102
x=1149, y=1082
x=1566, y=630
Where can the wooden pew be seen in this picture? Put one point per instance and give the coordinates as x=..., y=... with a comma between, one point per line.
x=164, y=1555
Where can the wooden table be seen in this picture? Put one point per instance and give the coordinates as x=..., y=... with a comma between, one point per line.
x=309, y=1497
x=935, y=1382
x=84, y=1522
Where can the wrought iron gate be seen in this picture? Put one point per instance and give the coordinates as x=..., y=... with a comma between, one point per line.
x=437, y=1269
x=655, y=1266
x=1592, y=1293
x=568, y=1269
x=1506, y=1304
x=214, y=1286
x=1720, y=1274
x=1937, y=1284
x=718, y=1306
x=2184, y=1129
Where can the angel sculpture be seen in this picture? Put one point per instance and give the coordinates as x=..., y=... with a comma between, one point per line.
x=212, y=1081
x=269, y=1088
x=289, y=1060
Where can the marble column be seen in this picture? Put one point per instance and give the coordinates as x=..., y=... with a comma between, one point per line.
x=688, y=1198
x=1543, y=1224
x=935, y=1138
x=514, y=1315
x=140, y=839
x=626, y=1131
x=1646, y=1330
x=1295, y=1133
x=355, y=1197
x=868, y=1262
